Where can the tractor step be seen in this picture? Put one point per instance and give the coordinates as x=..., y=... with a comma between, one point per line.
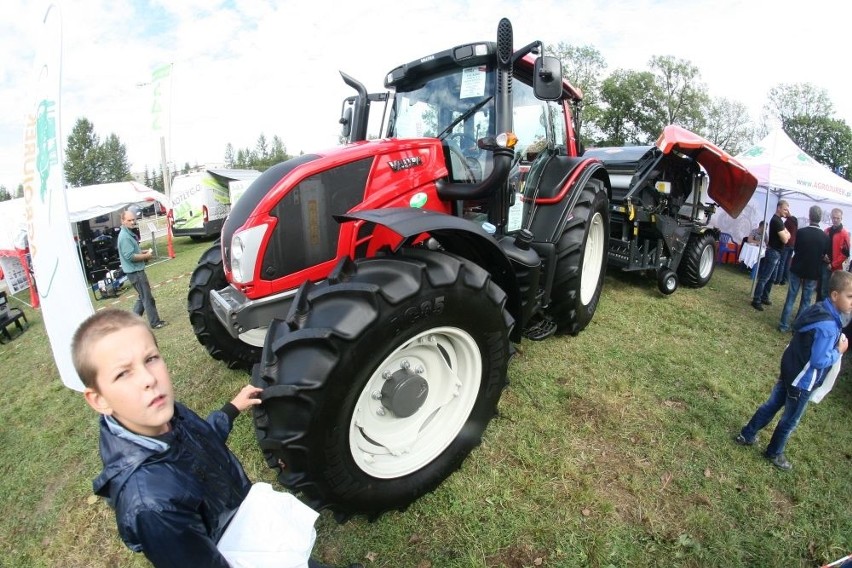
x=540, y=329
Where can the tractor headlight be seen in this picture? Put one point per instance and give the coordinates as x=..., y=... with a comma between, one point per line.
x=245, y=248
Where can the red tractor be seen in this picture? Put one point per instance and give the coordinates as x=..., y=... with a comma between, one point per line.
x=377, y=288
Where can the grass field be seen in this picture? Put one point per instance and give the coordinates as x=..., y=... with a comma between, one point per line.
x=611, y=449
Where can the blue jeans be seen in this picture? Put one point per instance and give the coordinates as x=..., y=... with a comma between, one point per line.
x=765, y=275
x=782, y=274
x=145, y=303
x=823, y=283
x=794, y=402
x=808, y=288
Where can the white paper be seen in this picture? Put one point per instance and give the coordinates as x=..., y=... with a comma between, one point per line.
x=827, y=384
x=270, y=530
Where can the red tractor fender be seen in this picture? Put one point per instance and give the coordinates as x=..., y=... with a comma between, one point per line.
x=456, y=235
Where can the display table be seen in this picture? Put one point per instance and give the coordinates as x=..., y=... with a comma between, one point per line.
x=750, y=254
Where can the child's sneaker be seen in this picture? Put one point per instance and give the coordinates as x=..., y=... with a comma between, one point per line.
x=740, y=439
x=780, y=461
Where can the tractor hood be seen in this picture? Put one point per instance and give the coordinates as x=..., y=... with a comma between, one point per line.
x=731, y=184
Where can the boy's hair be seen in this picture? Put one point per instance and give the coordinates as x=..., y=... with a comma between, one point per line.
x=840, y=281
x=94, y=328
x=815, y=214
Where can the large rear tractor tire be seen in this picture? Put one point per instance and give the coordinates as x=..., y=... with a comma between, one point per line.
x=209, y=275
x=698, y=262
x=382, y=380
x=581, y=261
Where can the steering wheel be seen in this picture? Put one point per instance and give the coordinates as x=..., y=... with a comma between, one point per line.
x=466, y=144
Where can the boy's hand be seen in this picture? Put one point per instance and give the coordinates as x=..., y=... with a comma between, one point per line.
x=248, y=396
x=842, y=344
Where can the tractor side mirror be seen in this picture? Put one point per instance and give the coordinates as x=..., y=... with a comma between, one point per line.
x=547, y=78
x=346, y=122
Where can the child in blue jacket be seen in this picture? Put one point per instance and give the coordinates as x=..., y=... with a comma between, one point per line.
x=168, y=474
x=816, y=345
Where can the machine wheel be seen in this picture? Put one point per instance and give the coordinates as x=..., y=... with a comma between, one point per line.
x=696, y=266
x=210, y=275
x=382, y=380
x=667, y=281
x=581, y=261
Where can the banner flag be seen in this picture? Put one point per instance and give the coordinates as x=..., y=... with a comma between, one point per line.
x=59, y=280
x=162, y=84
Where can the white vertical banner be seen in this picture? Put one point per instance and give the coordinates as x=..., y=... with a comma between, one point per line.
x=161, y=82
x=62, y=290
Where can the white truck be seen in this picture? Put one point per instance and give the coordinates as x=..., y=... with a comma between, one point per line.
x=201, y=200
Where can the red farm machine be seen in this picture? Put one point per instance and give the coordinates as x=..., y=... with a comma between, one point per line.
x=376, y=289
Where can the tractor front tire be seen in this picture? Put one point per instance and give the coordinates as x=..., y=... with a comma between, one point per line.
x=209, y=275
x=581, y=261
x=382, y=380
x=698, y=262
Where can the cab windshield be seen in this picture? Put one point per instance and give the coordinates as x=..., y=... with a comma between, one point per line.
x=458, y=107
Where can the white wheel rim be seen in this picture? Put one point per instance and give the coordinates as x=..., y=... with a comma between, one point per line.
x=705, y=265
x=593, y=257
x=386, y=446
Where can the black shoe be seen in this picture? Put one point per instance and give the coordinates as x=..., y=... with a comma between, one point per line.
x=780, y=462
x=159, y=325
x=766, y=302
x=757, y=306
x=741, y=440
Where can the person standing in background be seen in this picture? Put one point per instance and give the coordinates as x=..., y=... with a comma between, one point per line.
x=778, y=236
x=805, y=268
x=783, y=273
x=133, y=264
x=837, y=251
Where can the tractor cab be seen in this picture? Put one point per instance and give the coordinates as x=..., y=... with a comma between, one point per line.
x=489, y=120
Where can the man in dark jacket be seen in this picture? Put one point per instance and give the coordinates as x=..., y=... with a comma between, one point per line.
x=806, y=267
x=168, y=474
x=778, y=235
x=816, y=345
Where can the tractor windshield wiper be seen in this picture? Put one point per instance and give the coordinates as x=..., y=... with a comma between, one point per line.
x=464, y=116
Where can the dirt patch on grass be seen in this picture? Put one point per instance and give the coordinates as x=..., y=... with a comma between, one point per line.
x=517, y=556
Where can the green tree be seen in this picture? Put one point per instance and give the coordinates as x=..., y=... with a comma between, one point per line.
x=4, y=195
x=82, y=155
x=584, y=68
x=229, y=156
x=681, y=95
x=113, y=159
x=806, y=114
x=827, y=140
x=728, y=125
x=261, y=150
x=790, y=100
x=278, y=152
x=261, y=158
x=629, y=111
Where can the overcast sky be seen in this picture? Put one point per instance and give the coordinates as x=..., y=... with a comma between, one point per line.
x=246, y=67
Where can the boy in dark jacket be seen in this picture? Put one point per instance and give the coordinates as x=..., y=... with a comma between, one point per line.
x=816, y=345
x=168, y=474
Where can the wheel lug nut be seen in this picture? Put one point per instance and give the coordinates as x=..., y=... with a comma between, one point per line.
x=376, y=395
x=419, y=369
x=405, y=364
x=380, y=411
x=386, y=375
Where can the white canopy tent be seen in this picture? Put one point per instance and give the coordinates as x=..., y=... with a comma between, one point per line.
x=784, y=171
x=83, y=203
